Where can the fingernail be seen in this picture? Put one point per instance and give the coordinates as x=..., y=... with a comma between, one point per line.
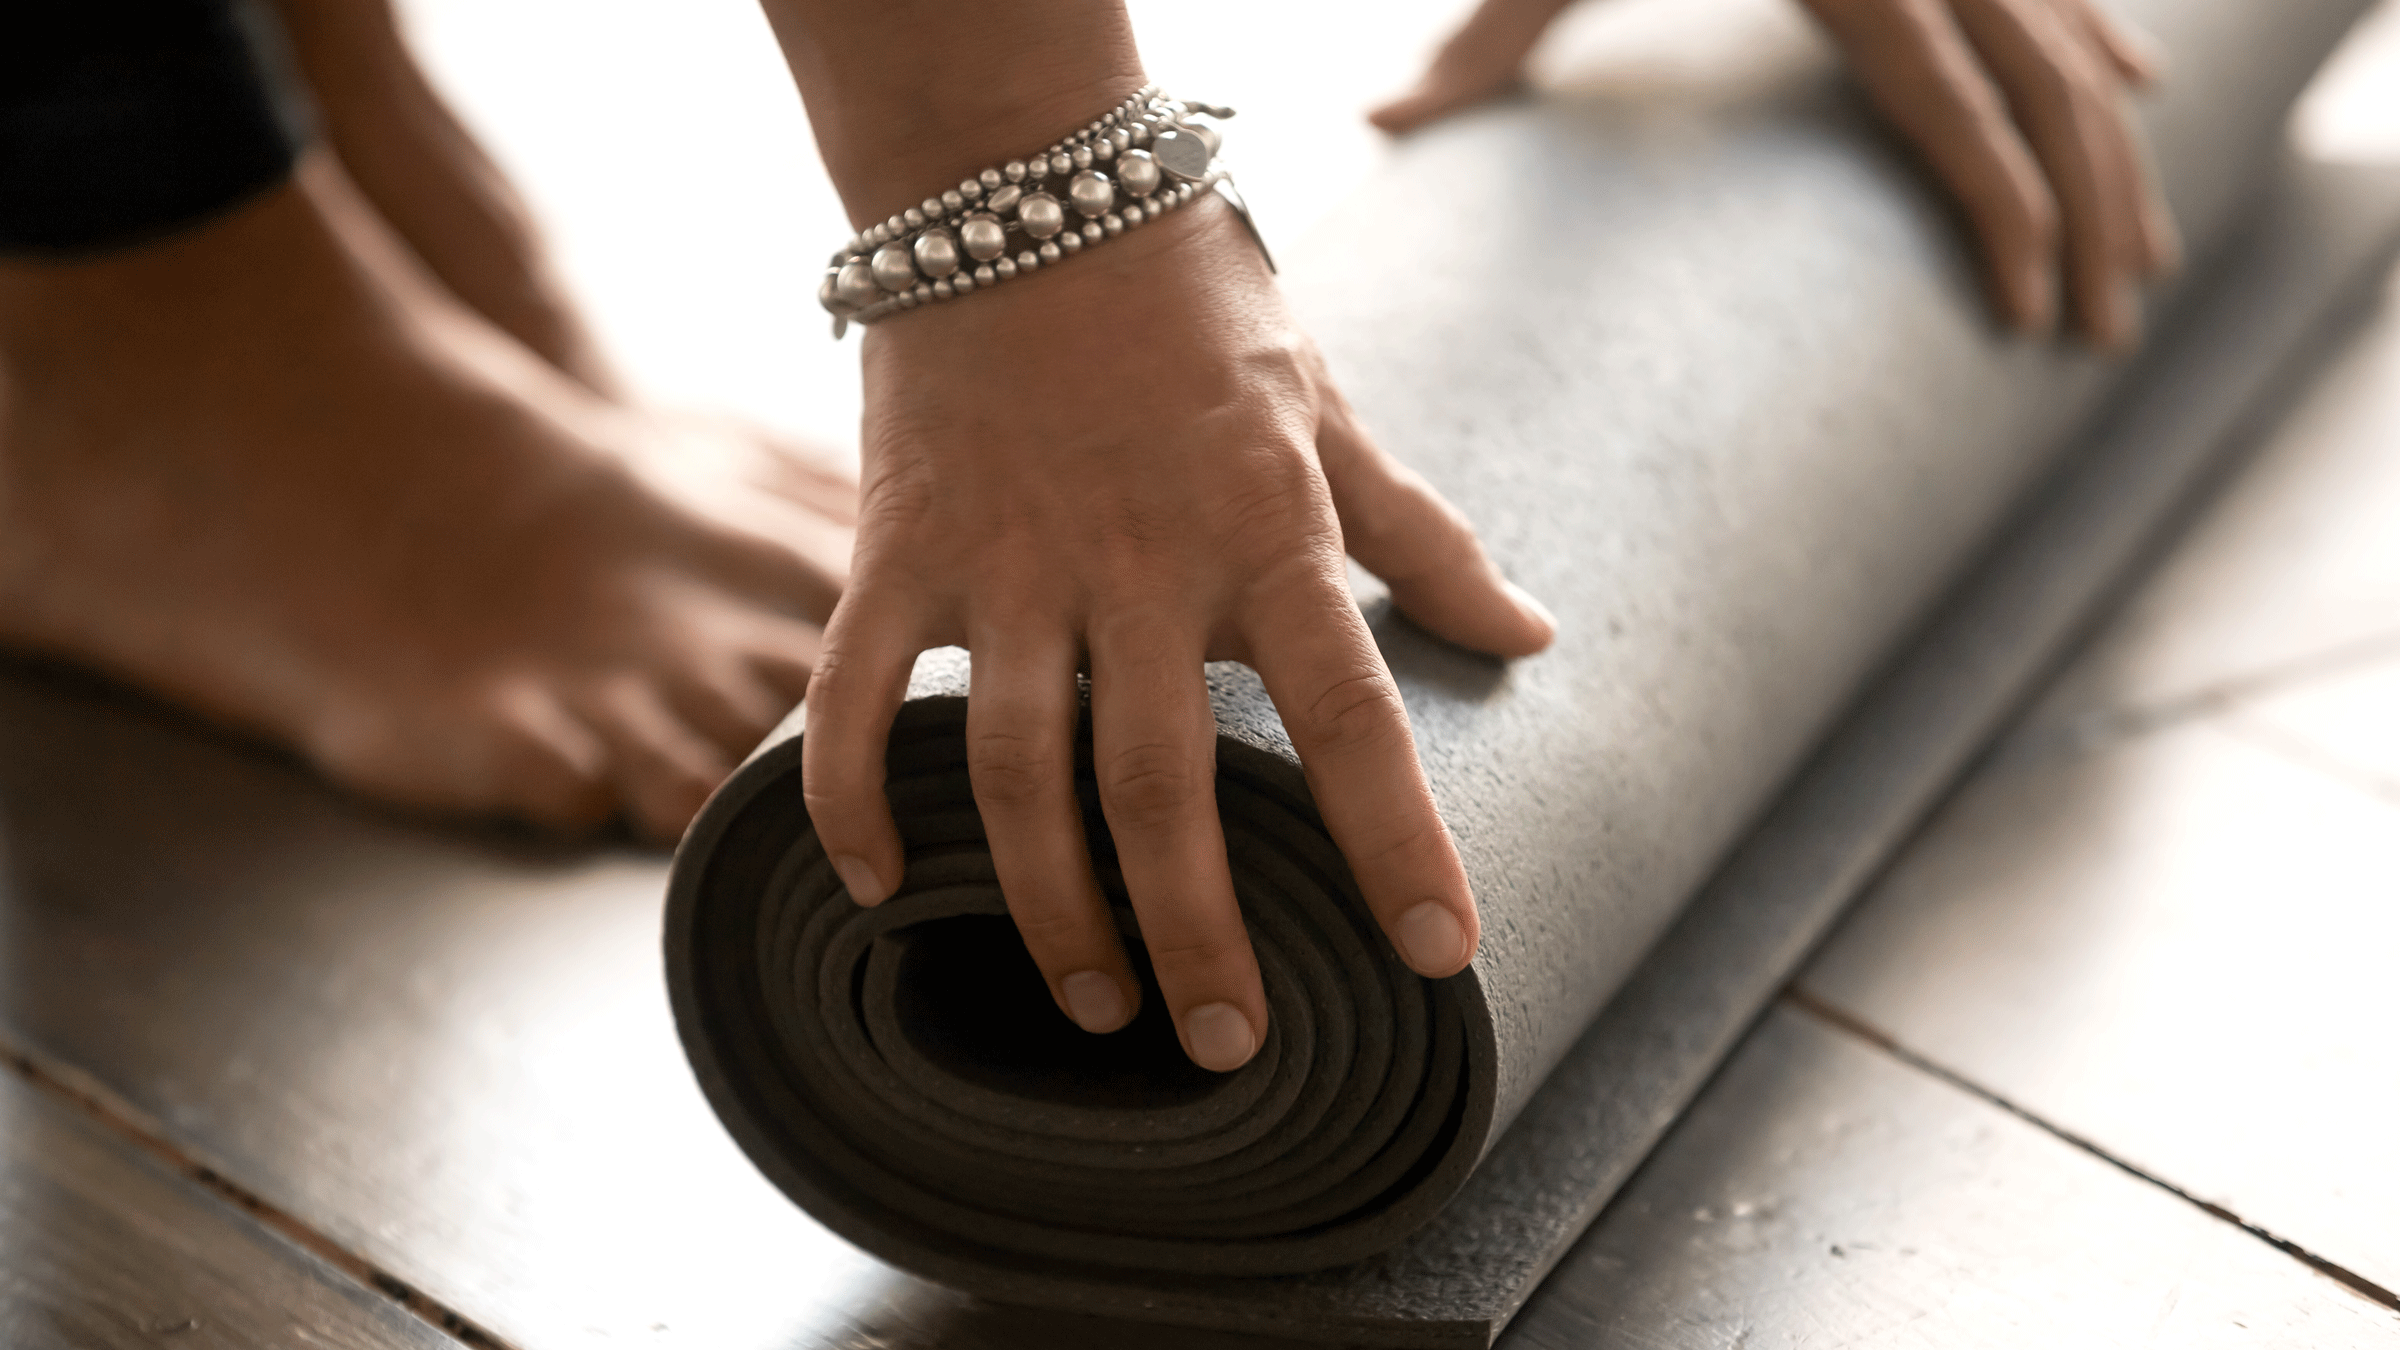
x=1534, y=609
x=1430, y=939
x=1220, y=1037
x=1094, y=1001
x=860, y=880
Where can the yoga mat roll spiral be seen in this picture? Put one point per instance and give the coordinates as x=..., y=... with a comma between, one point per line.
x=913, y=1062
x=1742, y=441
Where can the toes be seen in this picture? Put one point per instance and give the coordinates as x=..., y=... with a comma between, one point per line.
x=662, y=767
x=783, y=657
x=547, y=767
x=814, y=479
x=365, y=750
x=509, y=750
x=775, y=561
x=818, y=479
x=732, y=706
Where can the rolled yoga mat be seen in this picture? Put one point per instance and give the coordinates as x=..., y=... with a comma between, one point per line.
x=1742, y=435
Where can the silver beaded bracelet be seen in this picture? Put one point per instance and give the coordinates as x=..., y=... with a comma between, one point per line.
x=1140, y=160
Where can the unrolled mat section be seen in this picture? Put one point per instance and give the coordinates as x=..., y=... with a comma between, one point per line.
x=1744, y=427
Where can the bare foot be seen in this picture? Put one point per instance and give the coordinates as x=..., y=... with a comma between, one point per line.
x=270, y=469
x=1483, y=59
x=423, y=174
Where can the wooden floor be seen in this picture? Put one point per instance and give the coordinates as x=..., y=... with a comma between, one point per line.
x=2107, y=1058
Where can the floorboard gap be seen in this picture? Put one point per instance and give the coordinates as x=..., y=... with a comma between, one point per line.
x=87, y=1095
x=2309, y=755
x=2105, y=727
x=1842, y=1021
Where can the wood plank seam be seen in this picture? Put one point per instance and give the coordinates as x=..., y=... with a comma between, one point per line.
x=2309, y=755
x=87, y=1095
x=2105, y=727
x=1841, y=1021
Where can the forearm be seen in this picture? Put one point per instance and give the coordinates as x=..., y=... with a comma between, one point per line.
x=910, y=96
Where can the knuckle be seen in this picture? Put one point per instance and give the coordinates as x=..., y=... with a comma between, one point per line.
x=896, y=500
x=1401, y=842
x=834, y=792
x=826, y=806
x=1195, y=954
x=831, y=679
x=1357, y=711
x=1151, y=785
x=1424, y=535
x=1134, y=526
x=1284, y=361
x=1281, y=502
x=1272, y=507
x=1010, y=770
x=1048, y=928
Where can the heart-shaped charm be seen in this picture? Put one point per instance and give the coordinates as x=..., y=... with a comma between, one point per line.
x=1181, y=152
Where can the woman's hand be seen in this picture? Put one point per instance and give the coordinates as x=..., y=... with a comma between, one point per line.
x=2018, y=105
x=1128, y=467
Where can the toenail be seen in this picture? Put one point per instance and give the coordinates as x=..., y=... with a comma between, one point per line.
x=1430, y=938
x=1094, y=1000
x=859, y=879
x=1220, y=1037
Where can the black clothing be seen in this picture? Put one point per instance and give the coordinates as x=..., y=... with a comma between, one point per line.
x=125, y=120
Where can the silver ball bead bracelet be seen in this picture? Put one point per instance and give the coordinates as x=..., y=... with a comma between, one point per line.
x=1136, y=162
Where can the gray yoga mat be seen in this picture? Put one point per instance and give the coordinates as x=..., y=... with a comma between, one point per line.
x=1743, y=436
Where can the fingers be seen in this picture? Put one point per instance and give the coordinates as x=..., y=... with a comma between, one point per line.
x=860, y=678
x=1403, y=531
x=2152, y=246
x=2160, y=251
x=1485, y=57
x=1345, y=718
x=1154, y=752
x=2071, y=112
x=1021, y=714
x=2162, y=241
x=1433, y=99
x=2132, y=53
x=1920, y=70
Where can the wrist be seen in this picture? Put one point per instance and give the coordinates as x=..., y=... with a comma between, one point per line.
x=1194, y=275
x=895, y=120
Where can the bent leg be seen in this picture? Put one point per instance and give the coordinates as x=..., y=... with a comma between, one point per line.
x=434, y=183
x=126, y=120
